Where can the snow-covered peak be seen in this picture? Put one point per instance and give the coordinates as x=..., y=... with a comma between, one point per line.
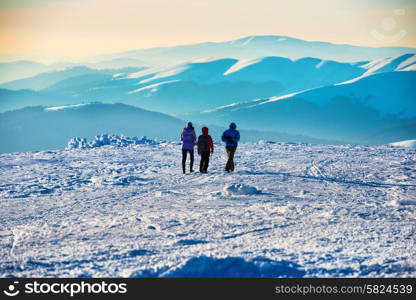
x=397, y=63
x=256, y=39
x=62, y=107
x=153, y=87
x=406, y=62
x=159, y=72
x=200, y=70
x=271, y=61
x=241, y=64
x=233, y=106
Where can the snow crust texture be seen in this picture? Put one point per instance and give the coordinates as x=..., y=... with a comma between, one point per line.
x=289, y=210
x=105, y=139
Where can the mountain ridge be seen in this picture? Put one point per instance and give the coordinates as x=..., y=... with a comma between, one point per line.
x=347, y=112
x=278, y=45
x=46, y=128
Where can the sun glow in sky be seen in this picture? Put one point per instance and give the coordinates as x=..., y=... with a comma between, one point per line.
x=52, y=30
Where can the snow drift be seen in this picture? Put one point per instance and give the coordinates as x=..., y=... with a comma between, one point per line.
x=407, y=143
x=228, y=267
x=241, y=189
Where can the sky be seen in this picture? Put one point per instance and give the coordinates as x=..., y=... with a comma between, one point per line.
x=54, y=30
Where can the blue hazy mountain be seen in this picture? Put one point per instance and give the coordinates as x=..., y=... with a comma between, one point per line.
x=198, y=85
x=48, y=79
x=42, y=128
x=45, y=80
x=117, y=63
x=20, y=69
x=11, y=100
x=206, y=84
x=13, y=71
x=260, y=46
x=378, y=108
x=361, y=102
x=250, y=47
x=201, y=85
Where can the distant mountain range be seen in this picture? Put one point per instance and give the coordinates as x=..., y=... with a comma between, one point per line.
x=199, y=85
x=250, y=47
x=375, y=109
x=22, y=69
x=42, y=128
x=45, y=80
x=12, y=71
x=259, y=46
x=375, y=103
x=367, y=101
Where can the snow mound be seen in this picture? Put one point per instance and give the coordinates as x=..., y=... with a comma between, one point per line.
x=407, y=202
x=241, y=189
x=265, y=142
x=231, y=267
x=407, y=144
x=106, y=139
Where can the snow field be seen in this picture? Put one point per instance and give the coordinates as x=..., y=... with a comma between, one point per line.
x=289, y=210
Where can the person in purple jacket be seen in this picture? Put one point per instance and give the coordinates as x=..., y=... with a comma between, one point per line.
x=188, y=139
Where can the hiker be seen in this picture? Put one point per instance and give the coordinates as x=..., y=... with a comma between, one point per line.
x=188, y=139
x=231, y=137
x=205, y=148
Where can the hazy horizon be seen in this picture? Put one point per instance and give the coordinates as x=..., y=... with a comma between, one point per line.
x=5, y=57
x=62, y=30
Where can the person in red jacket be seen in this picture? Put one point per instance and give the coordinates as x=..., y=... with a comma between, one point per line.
x=205, y=148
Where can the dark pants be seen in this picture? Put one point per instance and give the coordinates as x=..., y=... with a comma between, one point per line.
x=230, y=154
x=191, y=154
x=203, y=165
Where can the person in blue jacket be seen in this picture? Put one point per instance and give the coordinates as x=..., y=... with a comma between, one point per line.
x=231, y=137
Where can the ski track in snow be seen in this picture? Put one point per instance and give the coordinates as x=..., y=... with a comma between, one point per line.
x=316, y=211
